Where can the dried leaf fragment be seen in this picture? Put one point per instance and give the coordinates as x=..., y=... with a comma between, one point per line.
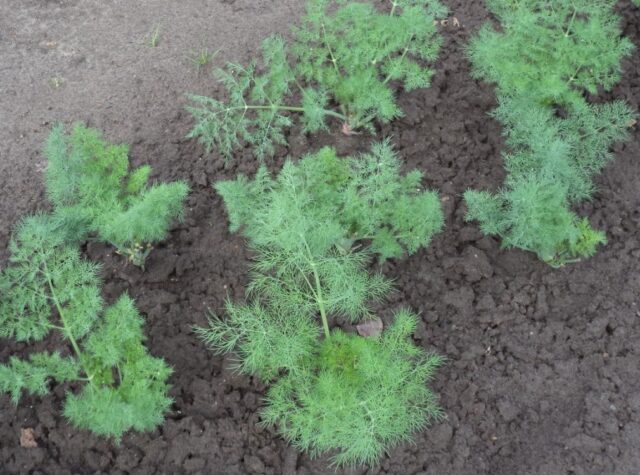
x=370, y=328
x=28, y=438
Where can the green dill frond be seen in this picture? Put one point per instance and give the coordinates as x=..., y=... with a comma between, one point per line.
x=138, y=403
x=93, y=190
x=359, y=397
x=46, y=274
x=287, y=283
x=334, y=202
x=266, y=341
x=533, y=215
x=35, y=374
x=224, y=124
x=136, y=398
x=147, y=219
x=344, y=53
x=551, y=53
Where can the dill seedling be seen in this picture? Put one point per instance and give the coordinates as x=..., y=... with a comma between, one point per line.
x=201, y=58
x=48, y=286
x=154, y=37
x=331, y=391
x=91, y=186
x=543, y=60
x=344, y=53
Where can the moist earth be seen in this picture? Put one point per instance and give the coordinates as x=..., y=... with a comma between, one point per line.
x=542, y=373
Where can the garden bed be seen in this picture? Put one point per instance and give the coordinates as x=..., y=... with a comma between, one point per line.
x=542, y=373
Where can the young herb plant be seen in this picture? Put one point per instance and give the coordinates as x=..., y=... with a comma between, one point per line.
x=341, y=393
x=91, y=186
x=543, y=60
x=48, y=286
x=345, y=54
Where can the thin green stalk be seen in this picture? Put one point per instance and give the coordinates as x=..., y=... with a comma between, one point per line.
x=318, y=292
x=323, y=312
x=335, y=64
x=573, y=17
x=65, y=325
x=393, y=8
x=285, y=108
x=404, y=53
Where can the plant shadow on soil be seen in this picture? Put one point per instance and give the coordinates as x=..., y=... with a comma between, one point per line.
x=542, y=374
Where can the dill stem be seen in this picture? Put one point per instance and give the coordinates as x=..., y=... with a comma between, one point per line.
x=393, y=8
x=318, y=291
x=573, y=17
x=65, y=326
x=285, y=108
x=323, y=312
x=335, y=63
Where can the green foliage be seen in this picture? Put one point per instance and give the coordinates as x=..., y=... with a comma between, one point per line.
x=570, y=150
x=92, y=187
x=551, y=50
x=346, y=394
x=356, y=198
x=533, y=215
x=125, y=386
x=344, y=53
x=34, y=375
x=543, y=60
x=42, y=265
x=357, y=396
x=266, y=342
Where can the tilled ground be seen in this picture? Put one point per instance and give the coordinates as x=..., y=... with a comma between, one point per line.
x=542, y=374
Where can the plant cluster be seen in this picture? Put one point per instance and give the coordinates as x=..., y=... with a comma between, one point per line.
x=341, y=64
x=331, y=390
x=92, y=188
x=48, y=286
x=544, y=59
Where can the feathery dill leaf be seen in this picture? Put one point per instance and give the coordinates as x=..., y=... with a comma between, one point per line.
x=91, y=186
x=543, y=60
x=48, y=286
x=358, y=396
x=344, y=53
x=357, y=198
x=551, y=50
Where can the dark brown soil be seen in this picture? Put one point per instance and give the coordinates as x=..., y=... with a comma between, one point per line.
x=543, y=373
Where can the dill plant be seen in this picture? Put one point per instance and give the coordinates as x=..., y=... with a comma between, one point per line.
x=92, y=187
x=49, y=287
x=544, y=58
x=341, y=64
x=330, y=391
